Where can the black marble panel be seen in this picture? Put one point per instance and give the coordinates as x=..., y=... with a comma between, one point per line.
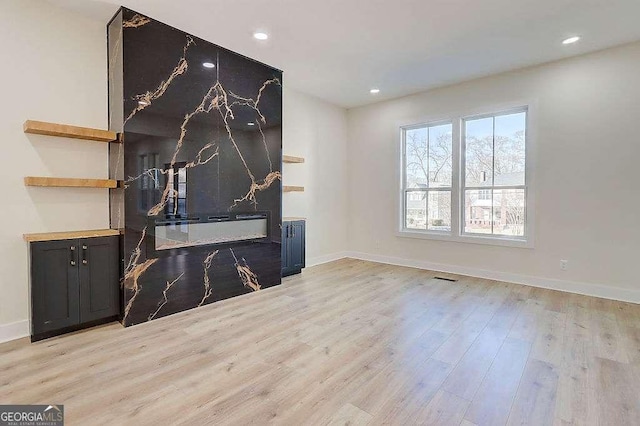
x=201, y=131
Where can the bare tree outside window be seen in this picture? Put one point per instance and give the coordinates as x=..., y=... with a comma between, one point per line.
x=428, y=159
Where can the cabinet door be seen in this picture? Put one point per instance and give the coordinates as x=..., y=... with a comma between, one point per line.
x=54, y=285
x=99, y=278
x=297, y=245
x=286, y=249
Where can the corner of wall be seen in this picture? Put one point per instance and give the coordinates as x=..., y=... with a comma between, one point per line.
x=14, y=330
x=316, y=129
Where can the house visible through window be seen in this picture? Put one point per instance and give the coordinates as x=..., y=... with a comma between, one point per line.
x=494, y=174
x=490, y=192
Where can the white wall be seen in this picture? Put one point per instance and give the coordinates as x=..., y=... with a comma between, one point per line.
x=587, y=176
x=317, y=131
x=54, y=69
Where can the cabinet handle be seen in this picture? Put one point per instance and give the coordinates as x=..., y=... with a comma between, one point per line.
x=73, y=256
x=84, y=254
x=293, y=232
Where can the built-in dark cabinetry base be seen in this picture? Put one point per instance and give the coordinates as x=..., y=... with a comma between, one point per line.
x=72, y=328
x=74, y=283
x=293, y=247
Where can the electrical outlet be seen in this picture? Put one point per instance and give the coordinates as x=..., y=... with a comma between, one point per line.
x=564, y=264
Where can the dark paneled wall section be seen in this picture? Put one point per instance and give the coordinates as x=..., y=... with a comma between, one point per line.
x=201, y=165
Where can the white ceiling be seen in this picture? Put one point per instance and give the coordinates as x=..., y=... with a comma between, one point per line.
x=338, y=49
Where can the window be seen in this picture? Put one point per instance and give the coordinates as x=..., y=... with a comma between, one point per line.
x=472, y=190
x=428, y=156
x=494, y=174
x=484, y=194
x=148, y=184
x=177, y=182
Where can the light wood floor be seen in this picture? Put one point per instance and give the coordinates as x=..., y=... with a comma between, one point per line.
x=349, y=342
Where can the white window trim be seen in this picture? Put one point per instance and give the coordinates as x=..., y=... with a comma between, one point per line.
x=457, y=233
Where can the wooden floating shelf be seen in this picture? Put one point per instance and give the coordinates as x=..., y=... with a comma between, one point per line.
x=293, y=188
x=292, y=159
x=67, y=131
x=70, y=235
x=70, y=182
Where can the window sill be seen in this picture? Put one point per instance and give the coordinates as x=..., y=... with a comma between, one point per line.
x=469, y=239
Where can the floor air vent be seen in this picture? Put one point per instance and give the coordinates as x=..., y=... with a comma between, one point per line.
x=445, y=279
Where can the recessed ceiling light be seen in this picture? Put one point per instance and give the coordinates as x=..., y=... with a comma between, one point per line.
x=208, y=65
x=260, y=36
x=571, y=40
x=374, y=91
x=251, y=124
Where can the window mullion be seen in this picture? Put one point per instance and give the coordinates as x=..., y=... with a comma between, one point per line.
x=426, y=202
x=403, y=179
x=457, y=178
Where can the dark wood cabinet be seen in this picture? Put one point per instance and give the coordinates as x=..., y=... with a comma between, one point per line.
x=73, y=283
x=293, y=247
x=99, y=276
x=54, y=285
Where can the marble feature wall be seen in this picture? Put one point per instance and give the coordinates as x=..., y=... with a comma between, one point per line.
x=201, y=131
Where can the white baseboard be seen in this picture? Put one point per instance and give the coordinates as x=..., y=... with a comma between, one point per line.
x=588, y=289
x=319, y=260
x=14, y=330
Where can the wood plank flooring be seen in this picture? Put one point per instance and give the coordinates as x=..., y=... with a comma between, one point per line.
x=349, y=342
